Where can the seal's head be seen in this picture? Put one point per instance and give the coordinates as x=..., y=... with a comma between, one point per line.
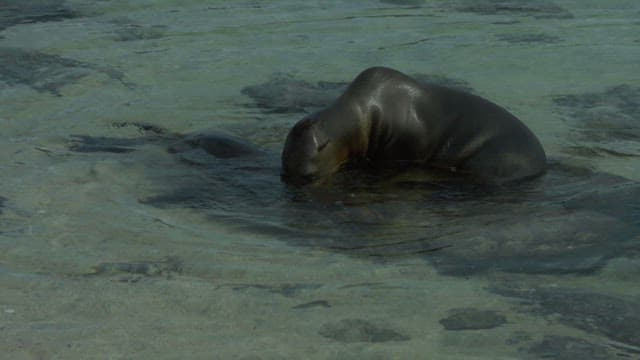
x=310, y=155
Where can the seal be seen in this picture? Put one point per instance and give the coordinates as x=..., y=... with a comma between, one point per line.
x=386, y=119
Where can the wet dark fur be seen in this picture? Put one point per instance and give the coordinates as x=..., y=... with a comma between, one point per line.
x=387, y=120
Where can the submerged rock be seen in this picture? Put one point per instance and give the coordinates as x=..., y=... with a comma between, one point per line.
x=359, y=330
x=616, y=318
x=528, y=38
x=128, y=30
x=213, y=143
x=285, y=94
x=15, y=12
x=135, y=32
x=607, y=121
x=547, y=242
x=313, y=304
x=539, y=9
x=568, y=348
x=47, y=73
x=404, y=2
x=91, y=144
x=150, y=134
x=621, y=201
x=165, y=267
x=286, y=290
x=472, y=319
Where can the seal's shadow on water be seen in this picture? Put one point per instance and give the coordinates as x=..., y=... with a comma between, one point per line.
x=570, y=220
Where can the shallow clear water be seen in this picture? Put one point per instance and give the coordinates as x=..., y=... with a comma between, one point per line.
x=148, y=254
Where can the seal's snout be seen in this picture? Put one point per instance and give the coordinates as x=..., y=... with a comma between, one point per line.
x=300, y=152
x=297, y=167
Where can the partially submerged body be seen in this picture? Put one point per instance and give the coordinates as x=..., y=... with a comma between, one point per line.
x=386, y=120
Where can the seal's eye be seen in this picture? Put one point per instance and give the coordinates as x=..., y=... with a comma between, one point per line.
x=323, y=145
